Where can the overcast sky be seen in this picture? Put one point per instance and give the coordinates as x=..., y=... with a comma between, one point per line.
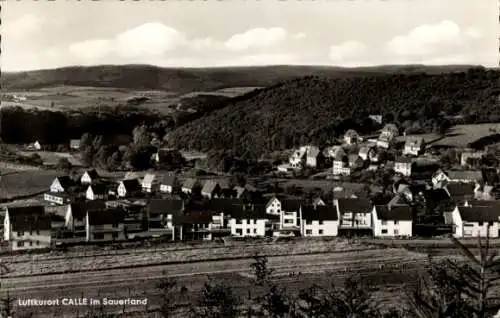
x=42, y=34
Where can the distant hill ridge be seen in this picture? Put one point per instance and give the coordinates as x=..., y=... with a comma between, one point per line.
x=314, y=109
x=185, y=80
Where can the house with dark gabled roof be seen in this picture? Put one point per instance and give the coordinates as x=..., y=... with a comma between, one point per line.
x=476, y=221
x=392, y=220
x=161, y=211
x=89, y=176
x=190, y=185
x=250, y=221
x=273, y=206
x=61, y=184
x=168, y=183
x=211, y=189
x=460, y=192
x=27, y=227
x=97, y=191
x=75, y=219
x=129, y=187
x=105, y=225
x=197, y=223
x=319, y=220
x=354, y=214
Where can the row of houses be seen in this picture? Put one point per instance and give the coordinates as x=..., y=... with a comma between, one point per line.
x=108, y=221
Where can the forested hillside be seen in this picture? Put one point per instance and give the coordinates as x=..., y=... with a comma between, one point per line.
x=185, y=80
x=314, y=109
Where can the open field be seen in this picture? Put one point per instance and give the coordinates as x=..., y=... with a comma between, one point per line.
x=81, y=97
x=465, y=135
x=26, y=183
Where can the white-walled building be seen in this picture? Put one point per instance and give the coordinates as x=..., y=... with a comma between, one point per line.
x=403, y=166
x=89, y=176
x=414, y=146
x=319, y=220
x=354, y=213
x=392, y=220
x=474, y=221
x=27, y=228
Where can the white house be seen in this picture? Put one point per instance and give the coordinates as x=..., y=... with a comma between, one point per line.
x=319, y=220
x=392, y=220
x=189, y=185
x=273, y=206
x=249, y=222
x=386, y=137
x=354, y=213
x=413, y=146
x=341, y=166
x=404, y=166
x=313, y=157
x=89, y=176
x=27, y=228
x=475, y=221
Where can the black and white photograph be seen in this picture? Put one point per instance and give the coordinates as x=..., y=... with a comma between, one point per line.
x=283, y=159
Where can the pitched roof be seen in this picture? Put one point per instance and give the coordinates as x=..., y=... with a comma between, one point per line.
x=291, y=205
x=106, y=216
x=65, y=181
x=92, y=173
x=459, y=189
x=29, y=222
x=26, y=210
x=131, y=184
x=390, y=128
x=397, y=200
x=223, y=205
x=472, y=175
x=163, y=206
x=192, y=217
x=436, y=195
x=79, y=209
x=99, y=188
x=209, y=186
x=131, y=175
x=414, y=142
x=189, y=183
x=169, y=179
x=149, y=178
x=354, y=205
x=479, y=214
x=394, y=213
x=319, y=212
x=404, y=160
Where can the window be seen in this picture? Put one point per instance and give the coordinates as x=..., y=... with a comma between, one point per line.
x=20, y=233
x=480, y=223
x=309, y=222
x=114, y=235
x=20, y=244
x=384, y=222
x=320, y=222
x=396, y=232
x=309, y=232
x=288, y=221
x=248, y=231
x=384, y=231
x=396, y=222
x=31, y=232
x=37, y=242
x=239, y=232
x=31, y=243
x=254, y=231
x=320, y=232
